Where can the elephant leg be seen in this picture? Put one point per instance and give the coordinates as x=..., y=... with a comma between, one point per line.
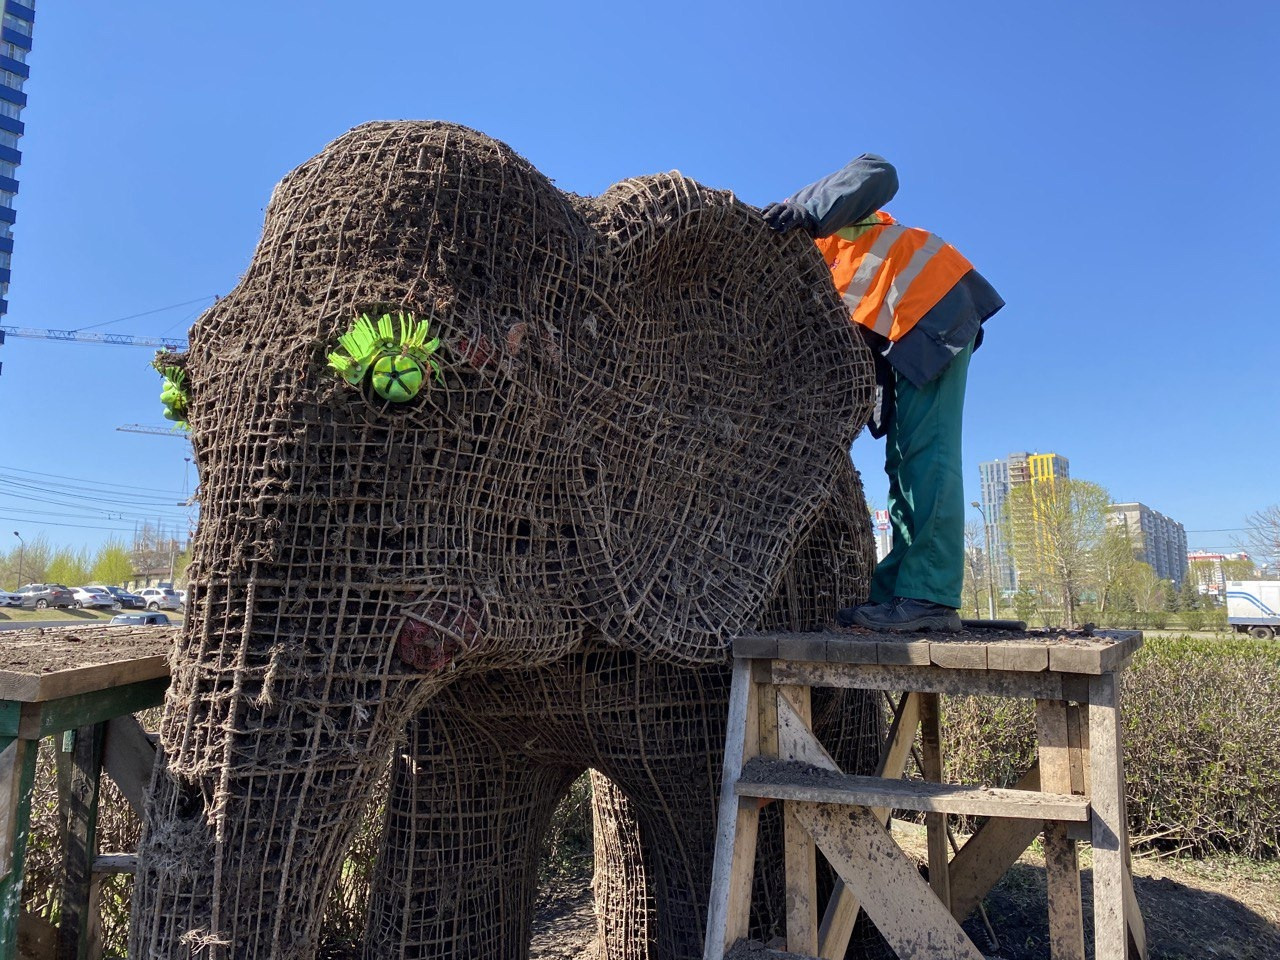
x=624, y=909
x=467, y=813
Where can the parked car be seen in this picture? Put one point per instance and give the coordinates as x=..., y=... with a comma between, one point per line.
x=160, y=598
x=39, y=596
x=93, y=598
x=127, y=600
x=8, y=599
x=139, y=620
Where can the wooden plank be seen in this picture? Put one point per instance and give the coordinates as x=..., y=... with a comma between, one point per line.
x=115, y=863
x=1137, y=928
x=1100, y=657
x=796, y=740
x=756, y=646
x=931, y=761
x=1062, y=866
x=841, y=649
x=84, y=709
x=770, y=779
x=903, y=653
x=1110, y=925
x=38, y=687
x=803, y=646
x=1068, y=659
x=958, y=656
x=990, y=852
x=1010, y=655
x=1077, y=750
x=897, y=900
x=128, y=756
x=838, y=920
x=37, y=937
x=925, y=679
x=17, y=775
x=733, y=865
x=76, y=918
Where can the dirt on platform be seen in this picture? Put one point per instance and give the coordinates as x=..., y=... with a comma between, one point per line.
x=44, y=650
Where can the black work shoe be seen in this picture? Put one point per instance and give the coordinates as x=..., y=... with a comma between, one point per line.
x=908, y=614
x=848, y=616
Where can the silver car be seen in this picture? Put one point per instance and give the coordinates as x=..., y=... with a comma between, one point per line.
x=93, y=598
x=160, y=598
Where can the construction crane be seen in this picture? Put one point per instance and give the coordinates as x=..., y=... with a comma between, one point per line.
x=85, y=336
x=156, y=431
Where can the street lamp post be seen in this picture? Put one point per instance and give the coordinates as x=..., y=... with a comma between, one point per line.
x=986, y=535
x=22, y=552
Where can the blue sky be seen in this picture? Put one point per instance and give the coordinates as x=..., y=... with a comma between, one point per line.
x=1108, y=166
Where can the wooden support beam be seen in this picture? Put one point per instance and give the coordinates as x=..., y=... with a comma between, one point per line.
x=925, y=679
x=1061, y=863
x=897, y=900
x=1110, y=922
x=990, y=852
x=842, y=909
x=773, y=780
x=935, y=823
x=128, y=756
x=78, y=915
x=796, y=740
x=17, y=774
x=108, y=863
x=733, y=868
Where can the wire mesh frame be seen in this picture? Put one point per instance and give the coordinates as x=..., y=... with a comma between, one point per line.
x=640, y=444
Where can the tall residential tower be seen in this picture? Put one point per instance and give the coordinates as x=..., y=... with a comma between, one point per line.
x=15, y=44
x=998, y=478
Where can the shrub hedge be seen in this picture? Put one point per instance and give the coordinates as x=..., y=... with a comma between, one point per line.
x=1202, y=753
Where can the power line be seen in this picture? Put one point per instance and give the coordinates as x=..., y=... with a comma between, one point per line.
x=146, y=501
x=147, y=313
x=96, y=483
x=52, y=523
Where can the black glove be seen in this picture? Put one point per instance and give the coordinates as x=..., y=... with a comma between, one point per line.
x=789, y=215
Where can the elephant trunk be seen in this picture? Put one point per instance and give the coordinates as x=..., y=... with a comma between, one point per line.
x=284, y=706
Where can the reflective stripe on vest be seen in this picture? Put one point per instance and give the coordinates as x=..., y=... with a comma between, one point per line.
x=890, y=276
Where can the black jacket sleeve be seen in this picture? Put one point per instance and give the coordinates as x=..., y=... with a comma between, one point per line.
x=852, y=193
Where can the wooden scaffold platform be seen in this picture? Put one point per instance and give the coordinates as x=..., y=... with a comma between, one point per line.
x=1073, y=792
x=80, y=685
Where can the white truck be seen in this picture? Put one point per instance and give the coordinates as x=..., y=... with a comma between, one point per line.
x=1253, y=607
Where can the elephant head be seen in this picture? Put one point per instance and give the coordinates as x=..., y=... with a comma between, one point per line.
x=644, y=401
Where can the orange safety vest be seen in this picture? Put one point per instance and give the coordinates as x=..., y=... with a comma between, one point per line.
x=890, y=275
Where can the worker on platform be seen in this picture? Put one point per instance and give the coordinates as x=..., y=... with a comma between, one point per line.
x=920, y=305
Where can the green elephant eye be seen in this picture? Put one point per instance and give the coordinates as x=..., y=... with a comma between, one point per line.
x=397, y=363
x=173, y=394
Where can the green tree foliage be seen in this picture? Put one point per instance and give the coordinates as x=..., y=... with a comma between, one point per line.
x=1055, y=529
x=1189, y=597
x=1242, y=568
x=112, y=565
x=69, y=567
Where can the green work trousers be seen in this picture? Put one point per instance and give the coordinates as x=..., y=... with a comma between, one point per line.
x=926, y=489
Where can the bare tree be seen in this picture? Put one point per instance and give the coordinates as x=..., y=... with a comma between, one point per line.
x=1112, y=558
x=1262, y=537
x=975, y=565
x=1055, y=528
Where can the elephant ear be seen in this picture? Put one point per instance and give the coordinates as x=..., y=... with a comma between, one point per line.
x=730, y=386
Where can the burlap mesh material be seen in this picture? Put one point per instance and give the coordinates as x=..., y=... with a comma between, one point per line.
x=638, y=449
